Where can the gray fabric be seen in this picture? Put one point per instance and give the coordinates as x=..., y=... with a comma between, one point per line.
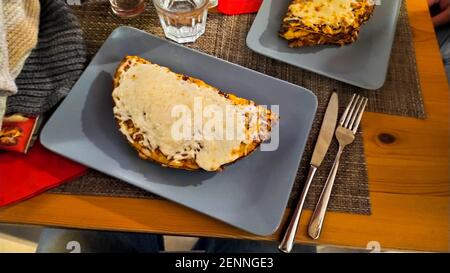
x=54, y=65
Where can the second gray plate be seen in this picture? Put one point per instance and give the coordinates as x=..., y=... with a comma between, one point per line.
x=363, y=63
x=250, y=194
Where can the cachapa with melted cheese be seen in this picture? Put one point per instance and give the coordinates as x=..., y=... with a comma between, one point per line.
x=144, y=97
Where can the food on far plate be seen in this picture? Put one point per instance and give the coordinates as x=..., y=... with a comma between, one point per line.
x=147, y=95
x=319, y=22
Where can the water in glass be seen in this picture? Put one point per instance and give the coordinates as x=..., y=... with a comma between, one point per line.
x=182, y=20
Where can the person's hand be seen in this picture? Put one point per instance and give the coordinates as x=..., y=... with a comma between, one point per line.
x=443, y=17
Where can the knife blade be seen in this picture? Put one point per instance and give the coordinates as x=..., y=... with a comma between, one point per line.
x=326, y=131
x=323, y=142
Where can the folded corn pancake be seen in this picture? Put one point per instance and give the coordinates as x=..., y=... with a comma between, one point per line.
x=144, y=97
x=317, y=22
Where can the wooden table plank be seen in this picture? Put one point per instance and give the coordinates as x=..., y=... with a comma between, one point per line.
x=409, y=181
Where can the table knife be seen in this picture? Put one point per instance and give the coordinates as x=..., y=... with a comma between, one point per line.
x=323, y=142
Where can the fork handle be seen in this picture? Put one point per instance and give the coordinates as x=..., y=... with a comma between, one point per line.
x=289, y=236
x=316, y=222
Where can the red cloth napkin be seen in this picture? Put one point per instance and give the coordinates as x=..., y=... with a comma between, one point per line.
x=233, y=7
x=25, y=175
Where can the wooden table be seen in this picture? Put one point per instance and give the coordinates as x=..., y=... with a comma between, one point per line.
x=408, y=171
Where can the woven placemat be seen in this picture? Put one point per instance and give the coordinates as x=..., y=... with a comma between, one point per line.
x=225, y=38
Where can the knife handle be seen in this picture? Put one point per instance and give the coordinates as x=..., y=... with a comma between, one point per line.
x=289, y=237
x=315, y=225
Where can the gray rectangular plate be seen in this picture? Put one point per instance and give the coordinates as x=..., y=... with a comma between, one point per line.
x=250, y=194
x=363, y=63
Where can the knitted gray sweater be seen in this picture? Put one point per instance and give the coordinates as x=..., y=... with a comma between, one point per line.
x=54, y=65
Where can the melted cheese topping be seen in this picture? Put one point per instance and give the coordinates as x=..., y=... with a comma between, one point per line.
x=325, y=12
x=147, y=94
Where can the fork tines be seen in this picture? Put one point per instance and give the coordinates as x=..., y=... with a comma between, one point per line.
x=353, y=113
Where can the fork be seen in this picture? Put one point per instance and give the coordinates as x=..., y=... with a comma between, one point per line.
x=345, y=134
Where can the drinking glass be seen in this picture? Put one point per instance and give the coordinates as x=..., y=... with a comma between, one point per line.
x=127, y=8
x=182, y=20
